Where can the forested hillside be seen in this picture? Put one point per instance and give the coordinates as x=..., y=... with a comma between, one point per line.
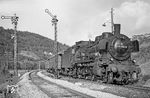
x=31, y=46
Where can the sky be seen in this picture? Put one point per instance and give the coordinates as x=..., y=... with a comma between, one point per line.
x=77, y=19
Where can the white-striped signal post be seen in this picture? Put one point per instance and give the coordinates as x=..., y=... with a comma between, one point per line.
x=14, y=20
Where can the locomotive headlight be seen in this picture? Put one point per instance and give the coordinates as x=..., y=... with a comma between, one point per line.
x=111, y=59
x=138, y=70
x=114, y=69
x=96, y=54
x=134, y=60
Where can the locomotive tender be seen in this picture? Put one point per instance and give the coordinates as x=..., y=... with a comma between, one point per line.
x=108, y=59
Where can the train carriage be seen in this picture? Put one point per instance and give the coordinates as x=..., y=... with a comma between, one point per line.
x=51, y=63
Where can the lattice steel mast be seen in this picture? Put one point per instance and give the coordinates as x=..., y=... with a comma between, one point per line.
x=54, y=23
x=14, y=20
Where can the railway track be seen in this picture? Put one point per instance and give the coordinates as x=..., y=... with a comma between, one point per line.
x=129, y=91
x=139, y=88
x=53, y=90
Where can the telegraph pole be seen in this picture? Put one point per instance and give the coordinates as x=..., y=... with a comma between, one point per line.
x=14, y=20
x=54, y=23
x=39, y=65
x=112, y=20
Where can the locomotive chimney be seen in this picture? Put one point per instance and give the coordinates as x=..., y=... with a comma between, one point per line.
x=117, y=29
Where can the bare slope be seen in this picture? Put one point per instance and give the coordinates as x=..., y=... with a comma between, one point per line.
x=143, y=56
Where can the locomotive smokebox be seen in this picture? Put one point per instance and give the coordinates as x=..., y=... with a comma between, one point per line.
x=117, y=29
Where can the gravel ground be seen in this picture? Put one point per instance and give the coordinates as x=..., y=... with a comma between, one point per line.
x=28, y=90
x=93, y=93
x=117, y=90
x=129, y=93
x=55, y=91
x=147, y=84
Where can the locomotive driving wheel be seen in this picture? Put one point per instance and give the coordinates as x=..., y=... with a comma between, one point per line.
x=93, y=78
x=125, y=78
x=134, y=76
x=110, y=77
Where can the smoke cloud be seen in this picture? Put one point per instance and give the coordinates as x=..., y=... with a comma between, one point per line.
x=134, y=15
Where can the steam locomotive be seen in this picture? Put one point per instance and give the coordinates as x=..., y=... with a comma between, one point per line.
x=108, y=59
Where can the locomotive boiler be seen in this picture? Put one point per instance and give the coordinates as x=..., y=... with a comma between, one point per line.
x=108, y=59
